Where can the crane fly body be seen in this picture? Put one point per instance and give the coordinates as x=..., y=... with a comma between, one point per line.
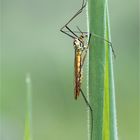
x=80, y=53
x=78, y=73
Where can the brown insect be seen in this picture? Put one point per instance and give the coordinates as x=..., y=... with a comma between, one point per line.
x=80, y=50
x=81, y=47
x=80, y=55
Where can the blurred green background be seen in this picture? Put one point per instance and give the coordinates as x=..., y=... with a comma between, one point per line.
x=32, y=43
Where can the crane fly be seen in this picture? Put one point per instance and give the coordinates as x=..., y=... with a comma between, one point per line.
x=81, y=46
x=80, y=55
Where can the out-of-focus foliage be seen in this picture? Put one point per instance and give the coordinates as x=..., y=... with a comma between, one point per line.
x=31, y=42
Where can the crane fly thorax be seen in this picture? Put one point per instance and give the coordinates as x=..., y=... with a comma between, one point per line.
x=78, y=44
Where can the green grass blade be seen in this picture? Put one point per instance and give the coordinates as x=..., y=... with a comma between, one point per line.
x=28, y=133
x=101, y=82
x=111, y=89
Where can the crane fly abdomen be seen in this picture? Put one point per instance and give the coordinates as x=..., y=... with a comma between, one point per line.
x=78, y=73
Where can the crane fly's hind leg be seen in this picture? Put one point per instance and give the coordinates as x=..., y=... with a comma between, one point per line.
x=91, y=112
x=107, y=41
x=86, y=101
x=110, y=43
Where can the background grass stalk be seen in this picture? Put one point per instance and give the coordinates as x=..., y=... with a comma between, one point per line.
x=28, y=124
x=101, y=81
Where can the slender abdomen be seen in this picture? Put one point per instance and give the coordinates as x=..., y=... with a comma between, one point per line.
x=78, y=74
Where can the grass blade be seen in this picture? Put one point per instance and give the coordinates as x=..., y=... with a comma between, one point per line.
x=28, y=133
x=101, y=82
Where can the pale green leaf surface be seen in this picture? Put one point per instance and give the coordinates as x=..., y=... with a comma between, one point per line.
x=101, y=82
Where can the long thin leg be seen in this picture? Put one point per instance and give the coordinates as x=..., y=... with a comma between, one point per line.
x=79, y=30
x=79, y=11
x=110, y=43
x=67, y=34
x=66, y=25
x=91, y=112
x=71, y=31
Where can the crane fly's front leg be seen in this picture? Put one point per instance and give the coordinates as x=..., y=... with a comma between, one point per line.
x=71, y=33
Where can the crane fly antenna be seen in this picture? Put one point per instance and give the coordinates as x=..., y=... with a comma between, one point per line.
x=79, y=30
